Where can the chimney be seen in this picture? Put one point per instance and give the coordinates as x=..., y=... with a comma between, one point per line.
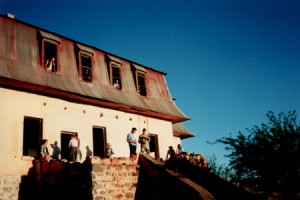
x=9, y=15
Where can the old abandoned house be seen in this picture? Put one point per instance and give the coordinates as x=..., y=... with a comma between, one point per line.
x=52, y=86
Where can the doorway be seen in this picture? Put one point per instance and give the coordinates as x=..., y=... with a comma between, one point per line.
x=32, y=136
x=154, y=145
x=99, y=141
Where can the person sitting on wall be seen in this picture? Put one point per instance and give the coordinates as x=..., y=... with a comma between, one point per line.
x=170, y=153
x=179, y=151
x=171, y=159
x=44, y=150
x=203, y=162
x=109, y=151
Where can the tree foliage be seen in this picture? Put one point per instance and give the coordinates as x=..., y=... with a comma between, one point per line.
x=267, y=158
x=221, y=170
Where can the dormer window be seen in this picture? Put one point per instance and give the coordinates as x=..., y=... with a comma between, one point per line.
x=114, y=71
x=85, y=63
x=50, y=56
x=49, y=51
x=86, y=67
x=139, y=74
x=116, y=77
x=141, y=84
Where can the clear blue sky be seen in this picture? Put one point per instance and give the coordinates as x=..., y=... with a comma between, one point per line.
x=228, y=62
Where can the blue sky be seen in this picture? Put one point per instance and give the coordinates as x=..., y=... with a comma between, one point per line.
x=227, y=62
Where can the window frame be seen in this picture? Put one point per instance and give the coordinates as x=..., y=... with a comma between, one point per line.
x=81, y=54
x=137, y=74
x=45, y=37
x=44, y=41
x=81, y=50
x=26, y=147
x=136, y=71
x=114, y=63
x=112, y=77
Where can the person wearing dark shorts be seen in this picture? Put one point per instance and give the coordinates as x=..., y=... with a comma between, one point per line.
x=132, y=142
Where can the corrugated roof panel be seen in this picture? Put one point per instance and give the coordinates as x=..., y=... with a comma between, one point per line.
x=4, y=72
x=49, y=36
x=85, y=48
x=179, y=130
x=113, y=58
x=137, y=67
x=25, y=72
x=72, y=86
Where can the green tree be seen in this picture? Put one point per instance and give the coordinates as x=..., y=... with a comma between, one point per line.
x=268, y=157
x=221, y=170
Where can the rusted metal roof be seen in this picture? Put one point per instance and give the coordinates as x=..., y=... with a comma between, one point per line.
x=137, y=67
x=49, y=36
x=179, y=130
x=21, y=68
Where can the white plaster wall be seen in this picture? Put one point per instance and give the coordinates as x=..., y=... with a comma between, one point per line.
x=60, y=115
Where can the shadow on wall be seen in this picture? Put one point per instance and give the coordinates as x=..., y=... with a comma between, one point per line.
x=57, y=180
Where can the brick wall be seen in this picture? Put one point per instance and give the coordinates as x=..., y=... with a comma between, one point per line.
x=114, y=179
x=9, y=187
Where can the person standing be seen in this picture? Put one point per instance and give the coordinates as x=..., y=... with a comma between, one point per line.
x=144, y=140
x=132, y=142
x=73, y=145
x=44, y=150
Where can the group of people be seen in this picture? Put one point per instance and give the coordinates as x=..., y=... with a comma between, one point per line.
x=143, y=140
x=171, y=152
x=74, y=147
x=195, y=159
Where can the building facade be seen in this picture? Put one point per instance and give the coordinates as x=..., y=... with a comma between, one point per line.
x=52, y=86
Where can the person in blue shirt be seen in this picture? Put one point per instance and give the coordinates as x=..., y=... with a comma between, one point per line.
x=132, y=142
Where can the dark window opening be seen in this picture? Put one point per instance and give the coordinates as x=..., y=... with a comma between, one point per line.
x=154, y=145
x=50, y=56
x=116, y=77
x=32, y=136
x=86, y=67
x=99, y=142
x=141, y=84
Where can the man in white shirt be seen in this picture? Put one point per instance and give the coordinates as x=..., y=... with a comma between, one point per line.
x=73, y=145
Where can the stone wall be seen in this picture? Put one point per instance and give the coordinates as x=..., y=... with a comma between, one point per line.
x=9, y=187
x=114, y=179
